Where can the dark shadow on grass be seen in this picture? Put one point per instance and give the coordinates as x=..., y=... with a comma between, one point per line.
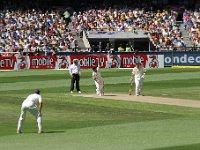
x=45, y=132
x=182, y=147
x=48, y=132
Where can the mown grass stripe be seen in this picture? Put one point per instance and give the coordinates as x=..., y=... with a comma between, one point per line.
x=88, y=81
x=101, y=123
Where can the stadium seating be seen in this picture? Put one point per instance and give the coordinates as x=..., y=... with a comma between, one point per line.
x=35, y=31
x=38, y=31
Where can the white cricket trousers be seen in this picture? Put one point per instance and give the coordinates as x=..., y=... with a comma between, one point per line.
x=34, y=111
x=138, y=86
x=99, y=87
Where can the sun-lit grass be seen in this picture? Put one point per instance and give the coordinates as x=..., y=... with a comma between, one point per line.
x=78, y=123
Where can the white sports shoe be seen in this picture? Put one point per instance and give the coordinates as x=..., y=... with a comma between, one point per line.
x=71, y=92
x=79, y=92
x=19, y=131
x=40, y=132
x=99, y=94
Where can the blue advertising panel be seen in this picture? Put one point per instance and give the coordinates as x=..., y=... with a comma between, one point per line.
x=182, y=59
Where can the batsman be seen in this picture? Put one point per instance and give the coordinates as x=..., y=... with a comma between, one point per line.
x=96, y=76
x=138, y=74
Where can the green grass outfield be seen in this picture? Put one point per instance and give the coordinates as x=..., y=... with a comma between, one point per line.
x=78, y=123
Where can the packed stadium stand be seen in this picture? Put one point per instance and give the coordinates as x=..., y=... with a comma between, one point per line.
x=92, y=25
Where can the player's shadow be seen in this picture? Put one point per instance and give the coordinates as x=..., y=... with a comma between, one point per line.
x=48, y=132
x=109, y=95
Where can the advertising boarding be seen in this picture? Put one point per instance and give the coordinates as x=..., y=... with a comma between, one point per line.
x=105, y=60
x=85, y=61
x=182, y=59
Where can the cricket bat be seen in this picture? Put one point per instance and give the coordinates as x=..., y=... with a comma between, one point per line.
x=131, y=88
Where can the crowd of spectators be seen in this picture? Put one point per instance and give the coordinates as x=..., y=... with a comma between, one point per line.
x=34, y=31
x=191, y=21
x=161, y=26
x=165, y=32
x=48, y=31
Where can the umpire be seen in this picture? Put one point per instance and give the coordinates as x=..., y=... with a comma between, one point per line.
x=74, y=71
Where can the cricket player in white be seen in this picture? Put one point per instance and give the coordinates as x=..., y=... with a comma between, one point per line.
x=96, y=75
x=30, y=104
x=138, y=73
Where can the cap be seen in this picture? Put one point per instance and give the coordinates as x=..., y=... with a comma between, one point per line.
x=37, y=91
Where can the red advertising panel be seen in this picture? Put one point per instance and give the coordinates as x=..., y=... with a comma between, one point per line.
x=128, y=60
x=89, y=61
x=85, y=61
x=7, y=62
x=42, y=62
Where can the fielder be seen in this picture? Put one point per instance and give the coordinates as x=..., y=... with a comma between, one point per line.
x=138, y=73
x=30, y=104
x=96, y=75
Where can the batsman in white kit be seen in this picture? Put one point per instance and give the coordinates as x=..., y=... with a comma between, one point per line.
x=33, y=104
x=138, y=73
x=96, y=75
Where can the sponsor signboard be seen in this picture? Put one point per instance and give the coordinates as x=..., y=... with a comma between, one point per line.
x=86, y=61
x=62, y=62
x=7, y=62
x=119, y=61
x=182, y=59
x=148, y=61
x=42, y=62
x=90, y=61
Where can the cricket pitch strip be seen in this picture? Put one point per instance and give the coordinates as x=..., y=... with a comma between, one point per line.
x=146, y=99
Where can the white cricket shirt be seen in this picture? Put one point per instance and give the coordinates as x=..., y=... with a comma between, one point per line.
x=96, y=75
x=32, y=100
x=138, y=72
